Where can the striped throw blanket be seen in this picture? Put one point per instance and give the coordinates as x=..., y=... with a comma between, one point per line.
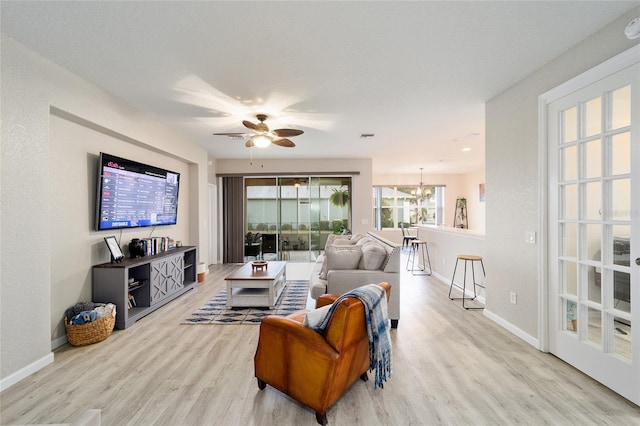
x=378, y=328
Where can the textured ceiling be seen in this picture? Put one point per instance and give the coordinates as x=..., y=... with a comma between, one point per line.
x=417, y=74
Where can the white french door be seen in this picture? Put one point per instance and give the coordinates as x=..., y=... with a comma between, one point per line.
x=594, y=229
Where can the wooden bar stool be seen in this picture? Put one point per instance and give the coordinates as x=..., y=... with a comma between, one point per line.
x=467, y=258
x=419, y=248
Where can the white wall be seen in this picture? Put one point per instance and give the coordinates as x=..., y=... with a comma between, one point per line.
x=512, y=175
x=29, y=242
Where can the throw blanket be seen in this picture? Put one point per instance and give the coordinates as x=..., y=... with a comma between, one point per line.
x=378, y=324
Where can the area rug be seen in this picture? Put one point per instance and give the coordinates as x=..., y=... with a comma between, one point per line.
x=293, y=298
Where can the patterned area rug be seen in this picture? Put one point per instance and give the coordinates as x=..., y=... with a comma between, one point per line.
x=293, y=298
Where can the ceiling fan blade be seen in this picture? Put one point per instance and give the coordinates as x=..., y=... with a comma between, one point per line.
x=283, y=142
x=287, y=133
x=249, y=143
x=231, y=135
x=250, y=125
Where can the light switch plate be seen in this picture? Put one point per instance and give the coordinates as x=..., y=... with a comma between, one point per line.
x=530, y=237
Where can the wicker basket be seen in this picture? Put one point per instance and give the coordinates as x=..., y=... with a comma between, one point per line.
x=92, y=332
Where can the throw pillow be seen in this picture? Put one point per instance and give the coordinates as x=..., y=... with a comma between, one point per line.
x=339, y=258
x=332, y=238
x=373, y=256
x=314, y=318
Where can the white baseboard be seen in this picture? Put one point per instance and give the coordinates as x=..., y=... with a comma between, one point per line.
x=56, y=343
x=25, y=372
x=495, y=318
x=512, y=328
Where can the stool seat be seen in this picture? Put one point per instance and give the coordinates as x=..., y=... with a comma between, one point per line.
x=467, y=258
x=419, y=247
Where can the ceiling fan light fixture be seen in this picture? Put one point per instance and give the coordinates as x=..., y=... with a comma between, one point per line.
x=261, y=141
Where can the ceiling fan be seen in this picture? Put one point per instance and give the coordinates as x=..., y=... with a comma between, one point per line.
x=263, y=137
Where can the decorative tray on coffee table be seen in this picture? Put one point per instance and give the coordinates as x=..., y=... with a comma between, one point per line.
x=258, y=265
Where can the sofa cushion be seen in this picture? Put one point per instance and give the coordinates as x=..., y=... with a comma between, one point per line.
x=373, y=256
x=364, y=240
x=332, y=238
x=340, y=257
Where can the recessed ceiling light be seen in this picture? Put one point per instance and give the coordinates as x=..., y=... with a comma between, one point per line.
x=466, y=149
x=367, y=135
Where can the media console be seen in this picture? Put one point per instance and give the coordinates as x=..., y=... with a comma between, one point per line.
x=141, y=285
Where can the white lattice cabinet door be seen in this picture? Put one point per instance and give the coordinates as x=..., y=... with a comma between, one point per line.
x=175, y=274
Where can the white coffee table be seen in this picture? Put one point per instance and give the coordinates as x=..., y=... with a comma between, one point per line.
x=249, y=287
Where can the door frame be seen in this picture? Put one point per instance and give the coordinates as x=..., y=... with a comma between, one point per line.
x=623, y=60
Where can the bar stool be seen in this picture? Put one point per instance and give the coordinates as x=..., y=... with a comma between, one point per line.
x=419, y=247
x=467, y=258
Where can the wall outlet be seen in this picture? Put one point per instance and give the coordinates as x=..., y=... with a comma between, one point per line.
x=513, y=297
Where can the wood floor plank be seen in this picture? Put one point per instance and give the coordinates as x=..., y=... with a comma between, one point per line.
x=450, y=367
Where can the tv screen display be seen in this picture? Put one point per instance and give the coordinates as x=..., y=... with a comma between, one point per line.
x=132, y=194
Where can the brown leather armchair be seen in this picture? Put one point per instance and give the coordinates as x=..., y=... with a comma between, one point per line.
x=312, y=368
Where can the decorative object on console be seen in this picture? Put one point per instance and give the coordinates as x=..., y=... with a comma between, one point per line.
x=114, y=249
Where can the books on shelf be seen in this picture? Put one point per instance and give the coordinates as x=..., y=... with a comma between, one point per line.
x=156, y=245
x=131, y=303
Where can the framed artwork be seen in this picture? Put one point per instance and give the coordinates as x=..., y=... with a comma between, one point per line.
x=114, y=249
x=481, y=191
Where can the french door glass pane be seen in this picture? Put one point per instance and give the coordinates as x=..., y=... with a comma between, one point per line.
x=621, y=154
x=621, y=245
x=621, y=203
x=570, y=163
x=593, y=117
x=621, y=108
x=593, y=156
x=570, y=199
x=593, y=235
x=570, y=312
x=593, y=201
x=570, y=278
x=569, y=240
x=570, y=125
x=622, y=341
x=594, y=284
x=595, y=325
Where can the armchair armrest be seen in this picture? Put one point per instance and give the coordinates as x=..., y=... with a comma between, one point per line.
x=325, y=299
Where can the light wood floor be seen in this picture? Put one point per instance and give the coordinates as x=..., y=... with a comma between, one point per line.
x=450, y=367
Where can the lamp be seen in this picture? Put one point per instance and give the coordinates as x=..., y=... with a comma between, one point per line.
x=261, y=141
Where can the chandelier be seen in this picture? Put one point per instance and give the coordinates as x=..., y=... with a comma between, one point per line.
x=422, y=192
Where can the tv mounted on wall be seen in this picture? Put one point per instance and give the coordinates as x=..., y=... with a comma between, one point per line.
x=132, y=194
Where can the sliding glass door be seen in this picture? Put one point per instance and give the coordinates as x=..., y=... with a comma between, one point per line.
x=290, y=217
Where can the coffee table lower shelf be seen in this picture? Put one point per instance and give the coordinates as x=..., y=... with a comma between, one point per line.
x=249, y=288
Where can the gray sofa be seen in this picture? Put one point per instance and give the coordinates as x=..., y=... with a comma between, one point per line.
x=350, y=261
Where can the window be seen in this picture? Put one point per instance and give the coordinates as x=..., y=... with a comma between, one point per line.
x=393, y=205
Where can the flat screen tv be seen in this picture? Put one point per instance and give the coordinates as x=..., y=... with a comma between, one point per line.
x=132, y=194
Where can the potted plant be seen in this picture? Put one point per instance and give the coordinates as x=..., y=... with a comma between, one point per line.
x=342, y=198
